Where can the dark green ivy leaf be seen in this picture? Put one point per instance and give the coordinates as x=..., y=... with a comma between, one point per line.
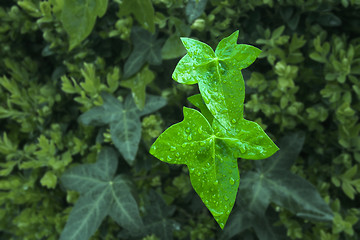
x=100, y=194
x=146, y=49
x=157, y=219
x=124, y=121
x=194, y=9
x=78, y=18
x=273, y=182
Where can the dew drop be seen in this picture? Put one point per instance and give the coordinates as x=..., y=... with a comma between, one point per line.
x=177, y=154
x=226, y=198
x=233, y=121
x=183, y=145
x=189, y=138
x=202, y=143
x=188, y=130
x=232, y=181
x=200, y=130
x=216, y=182
x=172, y=149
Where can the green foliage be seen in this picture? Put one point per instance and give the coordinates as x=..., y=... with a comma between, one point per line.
x=194, y=9
x=273, y=183
x=142, y=10
x=210, y=149
x=220, y=84
x=78, y=18
x=146, y=49
x=124, y=121
x=306, y=79
x=101, y=194
x=137, y=84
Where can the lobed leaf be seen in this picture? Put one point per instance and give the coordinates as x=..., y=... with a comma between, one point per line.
x=272, y=182
x=146, y=49
x=218, y=74
x=210, y=157
x=100, y=194
x=124, y=121
x=86, y=216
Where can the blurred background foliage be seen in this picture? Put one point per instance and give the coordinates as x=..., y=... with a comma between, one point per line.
x=58, y=56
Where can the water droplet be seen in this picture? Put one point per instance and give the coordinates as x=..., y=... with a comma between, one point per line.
x=200, y=130
x=188, y=130
x=232, y=181
x=202, y=143
x=169, y=158
x=189, y=138
x=226, y=198
x=172, y=149
x=233, y=121
x=216, y=213
x=177, y=154
x=216, y=182
x=198, y=173
x=183, y=145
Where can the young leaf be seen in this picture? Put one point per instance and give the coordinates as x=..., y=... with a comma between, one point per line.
x=210, y=152
x=124, y=121
x=137, y=84
x=218, y=75
x=100, y=194
x=198, y=102
x=78, y=18
x=146, y=49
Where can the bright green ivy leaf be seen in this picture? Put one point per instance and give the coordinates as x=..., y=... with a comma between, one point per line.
x=194, y=9
x=146, y=49
x=218, y=74
x=210, y=152
x=143, y=11
x=137, y=84
x=78, y=18
x=101, y=194
x=198, y=102
x=124, y=121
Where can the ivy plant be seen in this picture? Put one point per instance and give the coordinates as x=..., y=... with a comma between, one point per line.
x=101, y=194
x=210, y=146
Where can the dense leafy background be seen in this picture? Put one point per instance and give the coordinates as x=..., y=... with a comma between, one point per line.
x=304, y=91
